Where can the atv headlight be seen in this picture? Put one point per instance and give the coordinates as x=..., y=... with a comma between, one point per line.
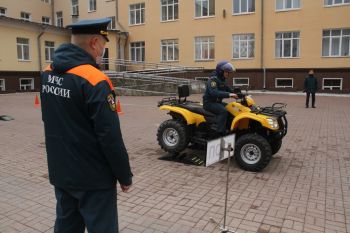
x=273, y=122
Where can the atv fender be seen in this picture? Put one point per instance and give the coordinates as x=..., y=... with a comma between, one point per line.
x=242, y=120
x=190, y=117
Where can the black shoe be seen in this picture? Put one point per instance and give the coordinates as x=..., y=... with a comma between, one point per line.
x=313, y=106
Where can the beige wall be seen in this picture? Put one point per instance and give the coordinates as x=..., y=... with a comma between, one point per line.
x=8, y=53
x=310, y=20
x=36, y=8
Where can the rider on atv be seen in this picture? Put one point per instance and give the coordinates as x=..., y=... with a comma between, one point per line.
x=216, y=90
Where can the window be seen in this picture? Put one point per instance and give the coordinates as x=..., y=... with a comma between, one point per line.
x=49, y=49
x=332, y=84
x=336, y=43
x=92, y=5
x=112, y=26
x=45, y=20
x=2, y=85
x=25, y=16
x=59, y=19
x=204, y=48
x=170, y=10
x=287, y=5
x=284, y=82
x=23, y=49
x=205, y=8
x=170, y=50
x=243, y=46
x=137, y=13
x=75, y=7
x=243, y=6
x=240, y=82
x=203, y=79
x=336, y=2
x=137, y=51
x=26, y=84
x=3, y=11
x=287, y=44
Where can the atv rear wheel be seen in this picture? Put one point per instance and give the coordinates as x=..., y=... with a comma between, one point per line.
x=252, y=152
x=275, y=146
x=172, y=136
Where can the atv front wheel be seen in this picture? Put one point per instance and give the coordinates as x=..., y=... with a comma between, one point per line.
x=252, y=152
x=172, y=136
x=275, y=146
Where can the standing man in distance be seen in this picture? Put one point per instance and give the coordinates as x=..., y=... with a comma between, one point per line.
x=310, y=87
x=85, y=150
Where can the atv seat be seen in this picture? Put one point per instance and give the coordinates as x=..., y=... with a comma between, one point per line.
x=196, y=108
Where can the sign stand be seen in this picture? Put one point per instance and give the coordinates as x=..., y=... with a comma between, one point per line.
x=229, y=149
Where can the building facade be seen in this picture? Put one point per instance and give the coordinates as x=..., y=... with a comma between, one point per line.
x=272, y=43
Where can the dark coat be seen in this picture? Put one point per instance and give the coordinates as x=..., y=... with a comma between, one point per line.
x=84, y=144
x=310, y=84
x=216, y=90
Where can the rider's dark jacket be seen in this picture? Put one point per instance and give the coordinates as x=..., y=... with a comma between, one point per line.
x=85, y=148
x=216, y=90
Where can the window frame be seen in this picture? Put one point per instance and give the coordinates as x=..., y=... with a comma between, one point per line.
x=277, y=86
x=240, y=85
x=25, y=85
x=29, y=19
x=112, y=24
x=174, y=5
x=45, y=23
x=75, y=7
x=336, y=4
x=331, y=87
x=331, y=38
x=49, y=50
x=59, y=20
x=4, y=9
x=240, y=10
x=172, y=44
x=22, y=46
x=292, y=8
x=141, y=11
x=201, y=7
x=208, y=42
x=247, y=43
x=2, y=84
x=92, y=6
x=283, y=43
x=141, y=47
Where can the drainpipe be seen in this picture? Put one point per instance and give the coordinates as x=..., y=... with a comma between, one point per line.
x=52, y=12
x=262, y=45
x=39, y=47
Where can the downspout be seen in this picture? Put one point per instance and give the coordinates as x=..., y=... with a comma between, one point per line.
x=262, y=45
x=39, y=47
x=53, y=12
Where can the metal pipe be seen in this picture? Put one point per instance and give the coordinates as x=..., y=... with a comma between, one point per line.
x=262, y=45
x=39, y=48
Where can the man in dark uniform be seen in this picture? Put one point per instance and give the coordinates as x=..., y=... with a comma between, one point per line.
x=216, y=90
x=310, y=87
x=86, y=154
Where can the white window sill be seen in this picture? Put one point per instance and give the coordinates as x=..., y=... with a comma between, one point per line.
x=91, y=11
x=244, y=13
x=289, y=9
x=169, y=61
x=205, y=17
x=243, y=58
x=337, y=5
x=169, y=21
x=335, y=56
x=139, y=24
x=205, y=60
x=22, y=60
x=287, y=58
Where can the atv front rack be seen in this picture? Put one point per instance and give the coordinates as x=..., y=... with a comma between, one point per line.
x=173, y=101
x=276, y=110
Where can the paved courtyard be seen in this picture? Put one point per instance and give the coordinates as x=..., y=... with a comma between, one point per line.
x=305, y=188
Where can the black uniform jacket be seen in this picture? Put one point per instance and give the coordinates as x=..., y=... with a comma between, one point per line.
x=216, y=90
x=85, y=148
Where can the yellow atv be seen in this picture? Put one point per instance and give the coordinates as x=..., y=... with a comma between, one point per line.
x=259, y=130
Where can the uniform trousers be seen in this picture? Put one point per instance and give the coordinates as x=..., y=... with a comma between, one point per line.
x=221, y=114
x=94, y=209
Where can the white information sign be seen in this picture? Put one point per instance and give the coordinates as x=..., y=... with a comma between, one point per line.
x=214, y=151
